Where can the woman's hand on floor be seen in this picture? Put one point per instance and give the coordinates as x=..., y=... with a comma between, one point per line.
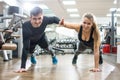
x=96, y=70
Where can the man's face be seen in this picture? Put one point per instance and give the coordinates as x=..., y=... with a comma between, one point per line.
x=36, y=21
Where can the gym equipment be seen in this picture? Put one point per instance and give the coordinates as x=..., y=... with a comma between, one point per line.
x=52, y=46
x=106, y=48
x=8, y=46
x=65, y=44
x=110, y=38
x=7, y=34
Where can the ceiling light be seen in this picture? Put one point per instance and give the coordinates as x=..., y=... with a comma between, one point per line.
x=72, y=10
x=116, y=15
x=74, y=15
x=108, y=15
x=115, y=2
x=31, y=0
x=29, y=6
x=114, y=9
x=70, y=2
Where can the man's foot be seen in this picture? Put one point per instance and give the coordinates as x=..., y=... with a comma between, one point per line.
x=33, y=60
x=54, y=60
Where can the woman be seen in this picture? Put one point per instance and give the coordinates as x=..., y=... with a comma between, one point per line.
x=89, y=37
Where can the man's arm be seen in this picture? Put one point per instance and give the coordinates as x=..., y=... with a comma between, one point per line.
x=53, y=19
x=24, y=57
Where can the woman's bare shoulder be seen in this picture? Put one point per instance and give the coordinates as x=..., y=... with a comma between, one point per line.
x=77, y=28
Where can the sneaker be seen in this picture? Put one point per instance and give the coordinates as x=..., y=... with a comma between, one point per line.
x=101, y=60
x=33, y=60
x=54, y=60
x=74, y=61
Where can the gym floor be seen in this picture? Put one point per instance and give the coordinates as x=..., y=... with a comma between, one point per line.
x=64, y=70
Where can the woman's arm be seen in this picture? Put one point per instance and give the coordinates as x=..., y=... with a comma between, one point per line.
x=96, y=51
x=96, y=56
x=69, y=25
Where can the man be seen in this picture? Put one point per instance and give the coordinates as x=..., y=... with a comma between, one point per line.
x=33, y=34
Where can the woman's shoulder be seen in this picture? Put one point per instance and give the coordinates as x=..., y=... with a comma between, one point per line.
x=78, y=26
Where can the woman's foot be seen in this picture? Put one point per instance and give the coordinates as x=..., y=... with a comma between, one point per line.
x=74, y=60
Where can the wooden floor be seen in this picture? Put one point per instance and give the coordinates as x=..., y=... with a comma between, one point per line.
x=64, y=70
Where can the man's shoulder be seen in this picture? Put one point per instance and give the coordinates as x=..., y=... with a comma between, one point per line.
x=26, y=22
x=49, y=17
x=46, y=17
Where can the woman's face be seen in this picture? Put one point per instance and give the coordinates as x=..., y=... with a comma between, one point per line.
x=36, y=21
x=87, y=24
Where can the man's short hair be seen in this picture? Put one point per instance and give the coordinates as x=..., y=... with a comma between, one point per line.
x=35, y=11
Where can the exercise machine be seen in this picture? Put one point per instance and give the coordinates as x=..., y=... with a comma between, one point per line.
x=7, y=34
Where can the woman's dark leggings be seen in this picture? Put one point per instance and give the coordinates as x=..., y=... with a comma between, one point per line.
x=81, y=48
